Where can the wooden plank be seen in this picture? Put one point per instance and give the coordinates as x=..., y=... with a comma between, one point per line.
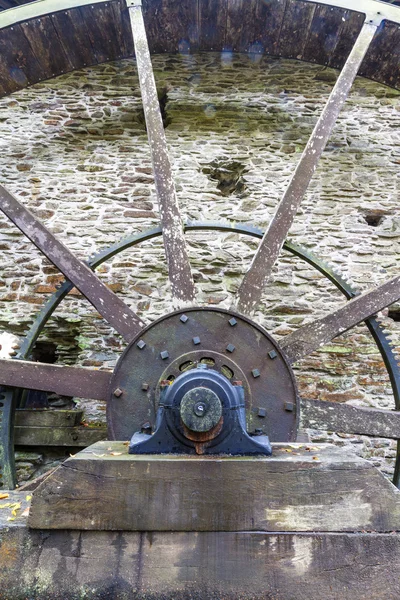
x=19, y=64
x=79, y=437
x=171, y=26
x=349, y=33
x=299, y=488
x=202, y=566
x=123, y=28
x=46, y=46
x=48, y=417
x=332, y=416
x=103, y=35
x=324, y=34
x=74, y=37
x=383, y=66
x=212, y=24
x=380, y=50
x=254, y=25
x=294, y=32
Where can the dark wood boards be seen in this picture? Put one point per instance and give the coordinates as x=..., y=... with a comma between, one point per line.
x=382, y=61
x=46, y=46
x=46, y=417
x=299, y=488
x=67, y=565
x=80, y=437
x=104, y=34
x=74, y=36
x=295, y=27
x=332, y=416
x=212, y=24
x=254, y=25
x=19, y=65
x=172, y=26
x=351, y=27
x=324, y=34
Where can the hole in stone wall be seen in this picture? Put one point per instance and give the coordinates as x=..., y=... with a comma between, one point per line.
x=394, y=313
x=45, y=352
x=229, y=175
x=374, y=219
x=163, y=101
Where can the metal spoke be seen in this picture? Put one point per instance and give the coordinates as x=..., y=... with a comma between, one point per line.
x=251, y=289
x=305, y=340
x=66, y=381
x=180, y=275
x=112, y=308
x=7, y=460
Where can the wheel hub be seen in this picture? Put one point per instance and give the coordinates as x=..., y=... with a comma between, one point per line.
x=230, y=347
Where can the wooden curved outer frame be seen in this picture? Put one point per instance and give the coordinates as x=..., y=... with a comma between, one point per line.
x=43, y=39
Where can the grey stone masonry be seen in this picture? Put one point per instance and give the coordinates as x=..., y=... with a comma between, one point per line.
x=75, y=151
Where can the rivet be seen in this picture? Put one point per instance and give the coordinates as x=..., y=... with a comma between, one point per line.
x=184, y=318
x=118, y=393
x=272, y=354
x=232, y=322
x=164, y=354
x=230, y=347
x=255, y=373
x=289, y=406
x=141, y=344
x=262, y=412
x=145, y=386
x=196, y=340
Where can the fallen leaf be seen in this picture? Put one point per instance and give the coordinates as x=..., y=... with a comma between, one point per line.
x=11, y=519
x=109, y=448
x=28, y=498
x=126, y=443
x=315, y=458
x=72, y=455
x=116, y=453
x=15, y=509
x=288, y=450
x=25, y=513
x=98, y=455
x=4, y=496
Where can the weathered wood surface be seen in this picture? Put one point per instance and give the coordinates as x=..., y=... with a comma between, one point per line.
x=333, y=416
x=40, y=48
x=45, y=417
x=299, y=488
x=80, y=437
x=65, y=565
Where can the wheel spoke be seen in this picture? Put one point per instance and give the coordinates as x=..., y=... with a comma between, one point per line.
x=180, y=275
x=251, y=289
x=66, y=381
x=305, y=340
x=112, y=308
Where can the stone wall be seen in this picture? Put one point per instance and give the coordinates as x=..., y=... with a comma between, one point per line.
x=75, y=151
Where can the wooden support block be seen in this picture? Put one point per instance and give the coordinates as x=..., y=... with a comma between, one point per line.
x=299, y=488
x=44, y=417
x=58, y=436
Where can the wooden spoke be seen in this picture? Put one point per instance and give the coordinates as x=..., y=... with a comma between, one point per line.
x=67, y=381
x=360, y=420
x=305, y=340
x=180, y=276
x=251, y=289
x=112, y=308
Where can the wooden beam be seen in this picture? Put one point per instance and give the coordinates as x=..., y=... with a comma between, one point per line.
x=332, y=416
x=79, y=437
x=45, y=417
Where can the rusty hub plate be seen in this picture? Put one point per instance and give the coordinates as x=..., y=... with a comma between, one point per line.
x=228, y=343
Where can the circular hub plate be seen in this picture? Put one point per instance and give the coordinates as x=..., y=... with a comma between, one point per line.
x=229, y=343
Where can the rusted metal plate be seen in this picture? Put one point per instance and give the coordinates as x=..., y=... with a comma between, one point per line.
x=305, y=340
x=67, y=381
x=228, y=343
x=253, y=284
x=180, y=276
x=112, y=308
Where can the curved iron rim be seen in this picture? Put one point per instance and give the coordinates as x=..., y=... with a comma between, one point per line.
x=344, y=286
